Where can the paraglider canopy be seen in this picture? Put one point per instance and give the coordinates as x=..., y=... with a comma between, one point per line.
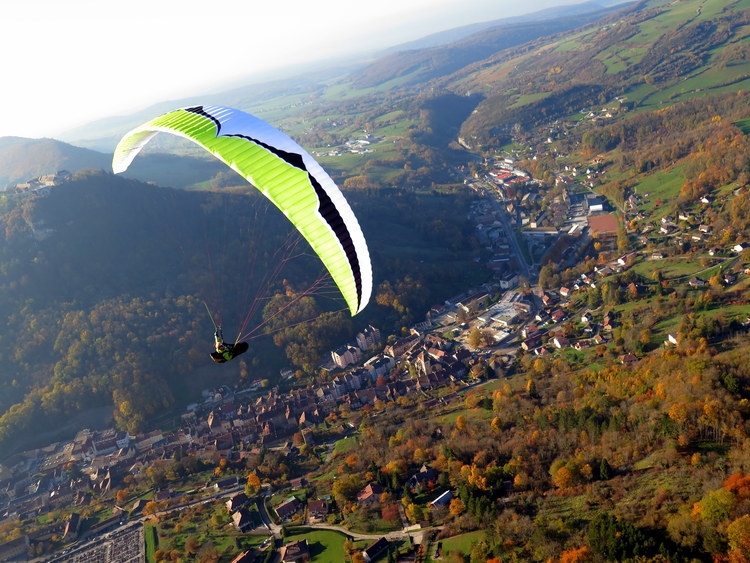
x=285, y=173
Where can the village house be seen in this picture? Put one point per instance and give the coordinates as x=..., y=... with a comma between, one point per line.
x=317, y=510
x=560, y=342
x=442, y=500
x=628, y=359
x=402, y=345
x=288, y=508
x=529, y=331
x=421, y=477
x=546, y=299
x=379, y=365
x=236, y=502
x=374, y=551
x=370, y=493
x=244, y=557
x=557, y=315
x=542, y=317
x=243, y=520
x=294, y=552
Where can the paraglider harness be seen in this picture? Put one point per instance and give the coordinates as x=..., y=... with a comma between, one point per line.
x=224, y=351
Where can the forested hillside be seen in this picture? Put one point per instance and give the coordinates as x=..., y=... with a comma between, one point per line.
x=650, y=54
x=415, y=67
x=25, y=159
x=103, y=281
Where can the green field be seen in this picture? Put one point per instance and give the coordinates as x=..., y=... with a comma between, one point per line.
x=462, y=543
x=617, y=59
x=727, y=312
x=529, y=98
x=743, y=125
x=152, y=541
x=346, y=445
x=671, y=268
x=661, y=187
x=475, y=414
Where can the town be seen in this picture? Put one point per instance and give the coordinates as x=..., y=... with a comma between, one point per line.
x=469, y=339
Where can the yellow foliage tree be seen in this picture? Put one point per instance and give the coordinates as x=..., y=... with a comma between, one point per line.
x=150, y=508
x=456, y=507
x=563, y=478
x=461, y=422
x=252, y=485
x=738, y=535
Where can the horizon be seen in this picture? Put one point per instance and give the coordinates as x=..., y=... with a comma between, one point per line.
x=74, y=72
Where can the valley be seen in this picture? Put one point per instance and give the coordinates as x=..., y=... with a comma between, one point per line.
x=553, y=367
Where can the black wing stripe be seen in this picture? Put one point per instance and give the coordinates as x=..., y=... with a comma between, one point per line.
x=326, y=208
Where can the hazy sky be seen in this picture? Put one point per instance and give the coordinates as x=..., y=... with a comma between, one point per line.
x=68, y=62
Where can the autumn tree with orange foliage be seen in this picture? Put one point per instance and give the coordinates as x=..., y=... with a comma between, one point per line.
x=576, y=555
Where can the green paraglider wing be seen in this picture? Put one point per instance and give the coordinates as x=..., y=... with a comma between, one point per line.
x=285, y=173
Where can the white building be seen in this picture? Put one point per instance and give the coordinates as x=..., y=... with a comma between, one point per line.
x=346, y=355
x=368, y=338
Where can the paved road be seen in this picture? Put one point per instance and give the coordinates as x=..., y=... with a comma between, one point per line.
x=510, y=234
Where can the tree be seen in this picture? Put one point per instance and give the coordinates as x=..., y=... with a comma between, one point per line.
x=150, y=508
x=563, y=478
x=192, y=545
x=738, y=535
x=460, y=423
x=605, y=470
x=345, y=489
x=121, y=497
x=617, y=540
x=715, y=506
x=252, y=485
x=414, y=512
x=531, y=388
x=475, y=338
x=623, y=244
x=576, y=555
x=457, y=507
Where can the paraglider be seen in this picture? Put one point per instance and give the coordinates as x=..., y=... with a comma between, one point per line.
x=225, y=351
x=286, y=174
